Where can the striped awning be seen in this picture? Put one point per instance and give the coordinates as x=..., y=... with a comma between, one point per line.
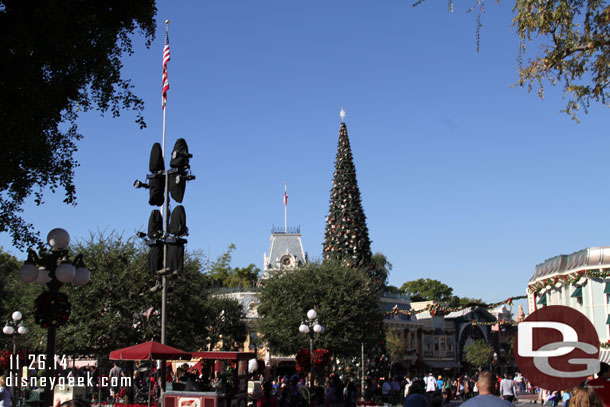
x=604, y=355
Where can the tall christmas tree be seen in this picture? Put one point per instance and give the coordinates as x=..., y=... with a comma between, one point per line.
x=347, y=237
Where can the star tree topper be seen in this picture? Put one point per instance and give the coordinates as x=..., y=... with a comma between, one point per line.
x=342, y=114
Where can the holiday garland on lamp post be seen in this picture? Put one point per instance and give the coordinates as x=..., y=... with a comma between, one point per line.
x=303, y=361
x=51, y=309
x=320, y=357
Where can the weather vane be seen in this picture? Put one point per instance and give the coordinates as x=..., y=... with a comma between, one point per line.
x=342, y=114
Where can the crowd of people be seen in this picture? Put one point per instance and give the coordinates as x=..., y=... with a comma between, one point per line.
x=477, y=390
x=427, y=391
x=481, y=389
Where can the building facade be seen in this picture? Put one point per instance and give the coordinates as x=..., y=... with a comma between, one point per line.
x=580, y=280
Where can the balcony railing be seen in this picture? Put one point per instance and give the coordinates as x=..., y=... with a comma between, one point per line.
x=291, y=230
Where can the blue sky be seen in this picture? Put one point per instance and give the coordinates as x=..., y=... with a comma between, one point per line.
x=463, y=178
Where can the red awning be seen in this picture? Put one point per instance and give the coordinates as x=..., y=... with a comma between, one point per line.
x=224, y=355
x=149, y=351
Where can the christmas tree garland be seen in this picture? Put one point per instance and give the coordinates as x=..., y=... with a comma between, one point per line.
x=438, y=309
x=572, y=278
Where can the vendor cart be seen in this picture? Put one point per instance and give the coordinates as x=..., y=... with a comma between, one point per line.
x=226, y=384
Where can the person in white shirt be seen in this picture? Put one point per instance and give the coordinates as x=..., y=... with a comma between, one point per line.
x=431, y=385
x=508, y=389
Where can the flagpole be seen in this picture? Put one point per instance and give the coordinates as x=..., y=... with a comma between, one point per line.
x=165, y=226
x=165, y=231
x=285, y=210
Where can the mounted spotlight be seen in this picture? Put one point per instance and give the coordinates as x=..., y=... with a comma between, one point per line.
x=155, y=225
x=180, y=155
x=179, y=173
x=137, y=184
x=157, y=189
x=156, y=163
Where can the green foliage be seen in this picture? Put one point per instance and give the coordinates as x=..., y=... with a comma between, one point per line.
x=382, y=268
x=427, y=290
x=347, y=237
x=222, y=274
x=479, y=353
x=573, y=37
x=9, y=266
x=459, y=301
x=346, y=299
x=433, y=290
x=225, y=323
x=395, y=346
x=116, y=308
x=12, y=297
x=58, y=59
x=100, y=322
x=391, y=289
x=575, y=53
x=17, y=296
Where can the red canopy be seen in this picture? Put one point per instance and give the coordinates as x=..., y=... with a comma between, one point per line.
x=224, y=355
x=149, y=351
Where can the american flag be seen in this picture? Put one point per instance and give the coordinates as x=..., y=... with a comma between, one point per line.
x=165, y=61
x=285, y=196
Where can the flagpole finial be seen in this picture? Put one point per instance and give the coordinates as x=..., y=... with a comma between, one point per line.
x=342, y=115
x=166, y=22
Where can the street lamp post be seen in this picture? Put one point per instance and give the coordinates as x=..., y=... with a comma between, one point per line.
x=52, y=309
x=14, y=327
x=309, y=327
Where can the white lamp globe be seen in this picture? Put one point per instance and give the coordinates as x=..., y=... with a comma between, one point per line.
x=82, y=276
x=8, y=330
x=304, y=329
x=58, y=239
x=252, y=365
x=65, y=272
x=22, y=330
x=312, y=314
x=317, y=328
x=17, y=316
x=28, y=273
x=43, y=276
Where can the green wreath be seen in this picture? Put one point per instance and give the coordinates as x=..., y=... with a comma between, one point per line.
x=51, y=310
